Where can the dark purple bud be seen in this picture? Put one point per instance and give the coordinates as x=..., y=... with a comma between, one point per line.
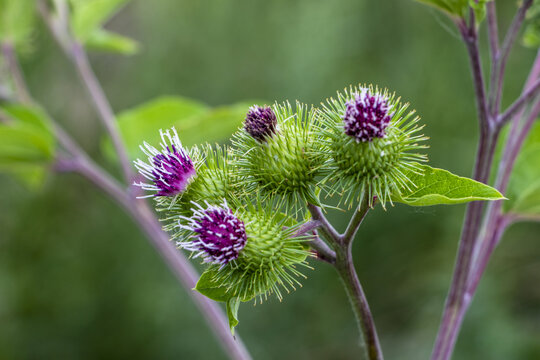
x=219, y=234
x=366, y=116
x=260, y=122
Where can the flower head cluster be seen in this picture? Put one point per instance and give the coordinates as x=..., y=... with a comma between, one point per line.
x=219, y=235
x=170, y=169
x=366, y=116
x=260, y=122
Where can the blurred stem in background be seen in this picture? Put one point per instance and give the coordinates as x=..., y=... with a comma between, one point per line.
x=76, y=160
x=482, y=230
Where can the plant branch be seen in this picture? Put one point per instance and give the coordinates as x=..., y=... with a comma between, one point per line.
x=345, y=268
x=81, y=163
x=325, y=227
x=356, y=220
x=8, y=51
x=517, y=217
x=520, y=103
x=457, y=301
x=102, y=106
x=508, y=43
x=76, y=53
x=493, y=36
x=323, y=251
x=307, y=227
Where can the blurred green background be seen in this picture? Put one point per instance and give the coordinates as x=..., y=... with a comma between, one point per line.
x=79, y=281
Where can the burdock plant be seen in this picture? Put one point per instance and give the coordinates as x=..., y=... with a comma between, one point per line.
x=255, y=212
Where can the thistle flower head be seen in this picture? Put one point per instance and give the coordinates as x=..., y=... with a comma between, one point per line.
x=287, y=163
x=170, y=169
x=260, y=122
x=257, y=260
x=366, y=116
x=372, y=140
x=219, y=235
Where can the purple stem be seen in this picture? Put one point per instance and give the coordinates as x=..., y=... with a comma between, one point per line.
x=493, y=36
x=508, y=43
x=322, y=249
x=461, y=292
x=520, y=103
x=16, y=74
x=102, y=106
x=325, y=228
x=144, y=217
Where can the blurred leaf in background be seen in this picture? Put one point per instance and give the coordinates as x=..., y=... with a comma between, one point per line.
x=87, y=20
x=524, y=184
x=195, y=122
x=27, y=144
x=17, y=19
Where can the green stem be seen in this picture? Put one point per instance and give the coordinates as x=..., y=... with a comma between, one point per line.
x=345, y=268
x=344, y=265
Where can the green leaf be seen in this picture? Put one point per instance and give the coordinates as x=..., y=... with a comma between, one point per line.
x=143, y=122
x=524, y=185
x=102, y=40
x=232, y=312
x=27, y=144
x=479, y=9
x=459, y=8
x=195, y=122
x=209, y=288
x=531, y=35
x=89, y=15
x=437, y=186
x=16, y=21
x=529, y=200
x=451, y=7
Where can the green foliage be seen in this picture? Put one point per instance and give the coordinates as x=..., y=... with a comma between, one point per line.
x=17, y=19
x=456, y=8
x=102, y=40
x=232, y=312
x=210, y=288
x=196, y=123
x=27, y=144
x=531, y=35
x=437, y=186
x=87, y=19
x=524, y=185
x=459, y=8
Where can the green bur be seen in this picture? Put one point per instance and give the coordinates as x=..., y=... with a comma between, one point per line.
x=287, y=163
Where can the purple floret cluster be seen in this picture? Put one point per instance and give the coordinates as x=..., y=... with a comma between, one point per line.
x=366, y=116
x=260, y=123
x=219, y=234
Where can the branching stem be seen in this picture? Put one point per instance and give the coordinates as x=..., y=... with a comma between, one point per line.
x=344, y=265
x=475, y=247
x=82, y=164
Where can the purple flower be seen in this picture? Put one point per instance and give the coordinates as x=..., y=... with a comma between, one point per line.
x=260, y=122
x=366, y=116
x=219, y=234
x=170, y=169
